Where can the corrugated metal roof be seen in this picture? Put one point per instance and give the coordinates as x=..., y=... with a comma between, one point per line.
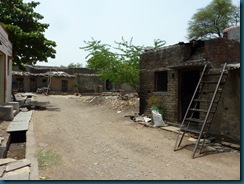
x=233, y=66
x=47, y=74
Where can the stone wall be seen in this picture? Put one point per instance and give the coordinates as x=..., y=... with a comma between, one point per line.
x=88, y=83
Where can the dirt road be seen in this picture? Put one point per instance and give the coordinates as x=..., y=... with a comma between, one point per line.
x=96, y=142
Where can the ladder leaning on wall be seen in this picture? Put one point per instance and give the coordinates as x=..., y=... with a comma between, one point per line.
x=202, y=107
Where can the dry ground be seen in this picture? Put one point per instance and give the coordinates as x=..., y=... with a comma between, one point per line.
x=89, y=141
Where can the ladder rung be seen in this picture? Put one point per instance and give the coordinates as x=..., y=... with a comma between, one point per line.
x=191, y=130
x=206, y=101
x=200, y=110
x=218, y=91
x=212, y=82
x=214, y=74
x=194, y=120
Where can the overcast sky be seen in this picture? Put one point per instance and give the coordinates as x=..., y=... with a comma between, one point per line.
x=74, y=21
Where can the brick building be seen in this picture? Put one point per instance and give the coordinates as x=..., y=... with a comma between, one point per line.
x=172, y=74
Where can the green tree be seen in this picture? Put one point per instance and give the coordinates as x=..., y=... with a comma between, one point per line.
x=75, y=65
x=120, y=66
x=26, y=32
x=210, y=22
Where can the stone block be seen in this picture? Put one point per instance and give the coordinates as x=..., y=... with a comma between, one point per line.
x=6, y=112
x=15, y=105
x=17, y=164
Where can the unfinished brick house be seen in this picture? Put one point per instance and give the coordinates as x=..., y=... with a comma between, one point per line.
x=172, y=73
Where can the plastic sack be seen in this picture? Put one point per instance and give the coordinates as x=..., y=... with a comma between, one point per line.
x=157, y=119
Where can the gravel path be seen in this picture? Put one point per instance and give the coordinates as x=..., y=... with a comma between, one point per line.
x=95, y=142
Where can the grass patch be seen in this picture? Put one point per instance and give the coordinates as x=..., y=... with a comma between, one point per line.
x=47, y=158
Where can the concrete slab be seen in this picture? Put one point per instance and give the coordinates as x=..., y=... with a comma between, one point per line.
x=23, y=116
x=17, y=164
x=5, y=161
x=31, y=152
x=18, y=126
x=2, y=170
x=171, y=128
x=20, y=174
x=20, y=122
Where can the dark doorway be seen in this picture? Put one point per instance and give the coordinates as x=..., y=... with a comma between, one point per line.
x=33, y=85
x=108, y=85
x=19, y=85
x=188, y=82
x=64, y=85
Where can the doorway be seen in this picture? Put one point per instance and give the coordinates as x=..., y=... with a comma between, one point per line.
x=33, y=85
x=187, y=85
x=64, y=85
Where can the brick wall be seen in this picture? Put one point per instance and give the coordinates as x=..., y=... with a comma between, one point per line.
x=220, y=51
x=216, y=51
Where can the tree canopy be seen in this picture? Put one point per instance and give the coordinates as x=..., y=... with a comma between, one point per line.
x=210, y=22
x=75, y=65
x=26, y=32
x=120, y=66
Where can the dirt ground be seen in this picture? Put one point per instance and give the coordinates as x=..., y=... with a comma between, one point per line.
x=91, y=140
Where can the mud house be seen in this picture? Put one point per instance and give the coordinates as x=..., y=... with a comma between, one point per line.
x=30, y=82
x=6, y=106
x=63, y=80
x=172, y=73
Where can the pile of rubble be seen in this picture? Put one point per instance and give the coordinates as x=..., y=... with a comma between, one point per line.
x=116, y=101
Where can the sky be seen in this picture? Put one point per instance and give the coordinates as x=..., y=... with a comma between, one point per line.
x=71, y=22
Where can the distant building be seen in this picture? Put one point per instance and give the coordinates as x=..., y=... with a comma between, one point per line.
x=63, y=80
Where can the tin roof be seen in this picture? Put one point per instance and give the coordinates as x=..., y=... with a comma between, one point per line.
x=47, y=74
x=233, y=66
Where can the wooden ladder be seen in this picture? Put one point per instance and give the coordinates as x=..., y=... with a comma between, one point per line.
x=200, y=112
